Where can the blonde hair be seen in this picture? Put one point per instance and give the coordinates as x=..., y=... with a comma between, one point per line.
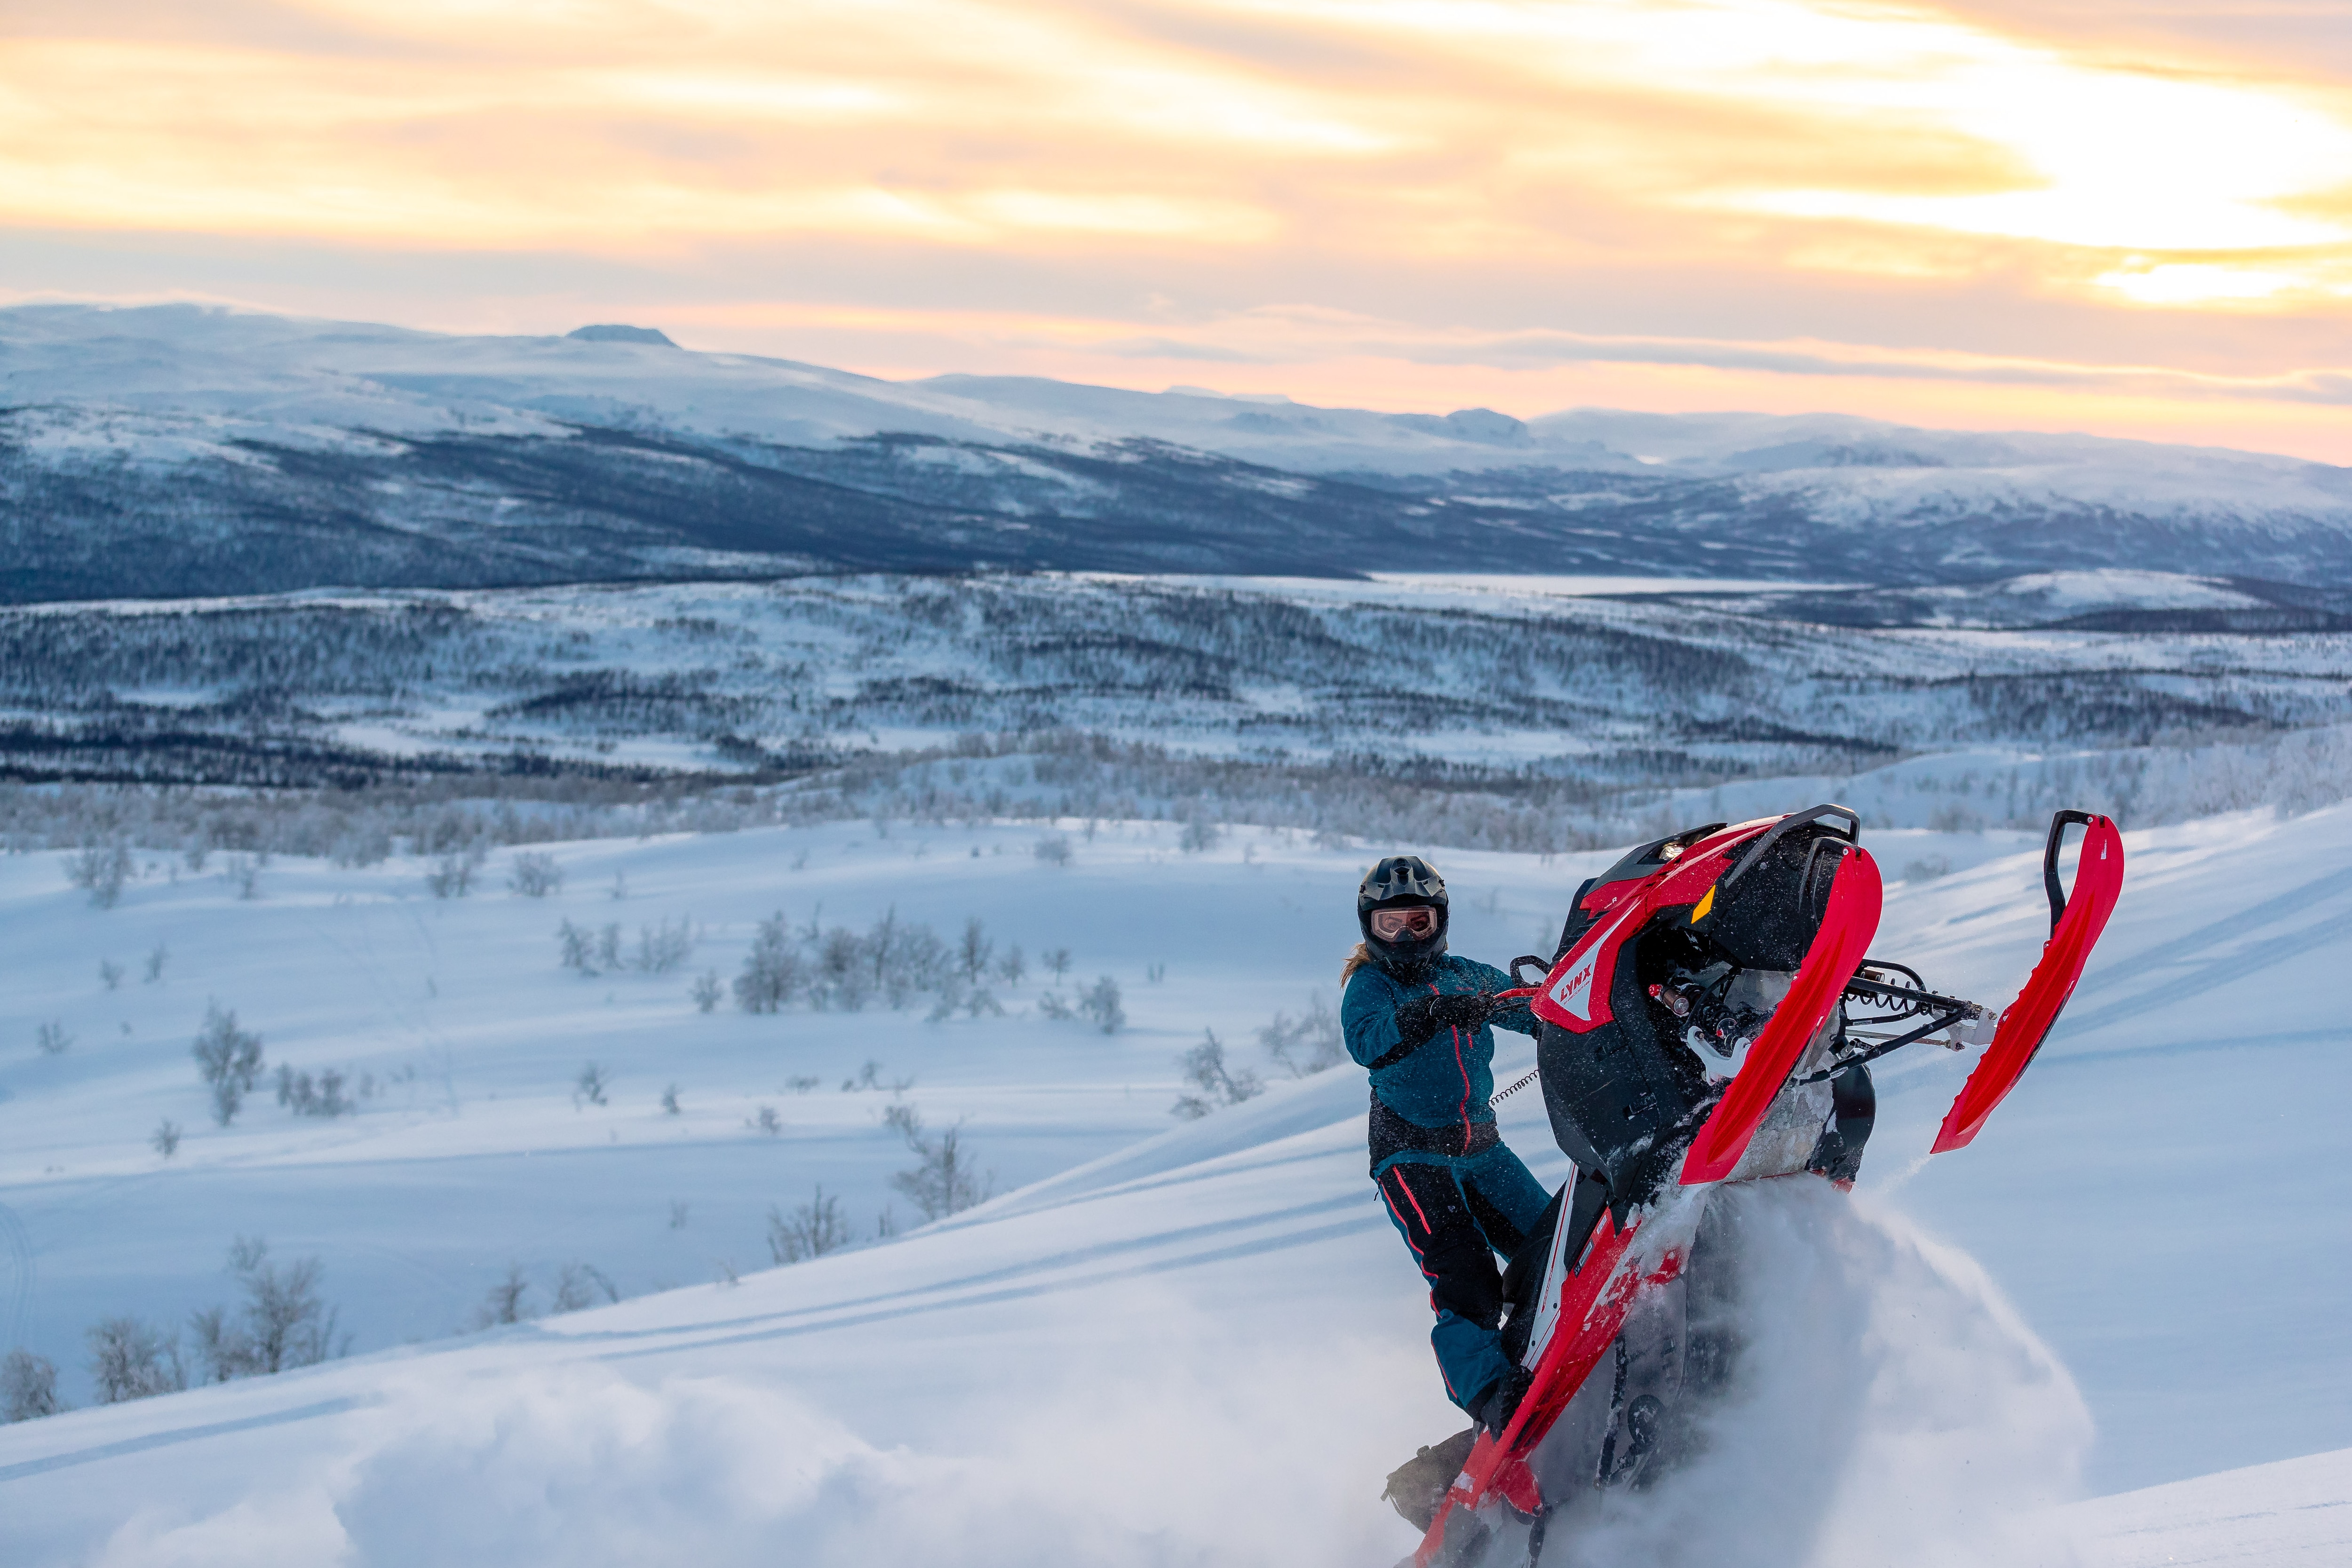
x=1356, y=960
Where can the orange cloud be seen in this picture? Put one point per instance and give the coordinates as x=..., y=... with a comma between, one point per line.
x=1423, y=163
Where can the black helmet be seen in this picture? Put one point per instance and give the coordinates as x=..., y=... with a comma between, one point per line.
x=1403, y=882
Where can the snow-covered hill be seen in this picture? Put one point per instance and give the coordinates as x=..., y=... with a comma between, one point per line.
x=1205, y=1345
x=174, y=449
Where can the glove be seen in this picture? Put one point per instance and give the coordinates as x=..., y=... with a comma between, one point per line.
x=1467, y=1011
x=1417, y=1020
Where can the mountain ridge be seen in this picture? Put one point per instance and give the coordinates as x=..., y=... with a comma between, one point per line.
x=166, y=450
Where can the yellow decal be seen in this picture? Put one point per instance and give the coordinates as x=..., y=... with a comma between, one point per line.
x=1704, y=904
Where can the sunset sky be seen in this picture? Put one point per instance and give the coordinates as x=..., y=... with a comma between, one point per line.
x=2129, y=219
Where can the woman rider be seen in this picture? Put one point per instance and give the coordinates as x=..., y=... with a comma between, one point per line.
x=1419, y=1018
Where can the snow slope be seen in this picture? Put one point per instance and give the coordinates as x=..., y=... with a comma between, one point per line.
x=1204, y=1346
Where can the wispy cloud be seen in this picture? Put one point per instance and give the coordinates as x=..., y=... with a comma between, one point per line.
x=1158, y=179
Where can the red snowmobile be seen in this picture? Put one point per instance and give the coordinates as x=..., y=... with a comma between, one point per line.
x=1746, y=942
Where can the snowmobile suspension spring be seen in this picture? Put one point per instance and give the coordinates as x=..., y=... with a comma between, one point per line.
x=1524, y=1079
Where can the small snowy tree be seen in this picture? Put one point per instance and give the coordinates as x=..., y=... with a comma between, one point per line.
x=974, y=951
x=1099, y=1005
x=943, y=1182
x=707, y=991
x=1205, y=1067
x=578, y=1285
x=1309, y=1043
x=165, y=1138
x=534, y=874
x=130, y=1360
x=814, y=1229
x=28, y=1387
x=665, y=946
x=504, y=1304
x=99, y=867
x=773, y=971
x=579, y=947
x=229, y=1059
x=284, y=1323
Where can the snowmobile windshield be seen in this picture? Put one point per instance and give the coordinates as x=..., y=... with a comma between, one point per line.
x=1404, y=925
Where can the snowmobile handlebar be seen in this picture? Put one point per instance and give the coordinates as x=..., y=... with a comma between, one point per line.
x=1762, y=844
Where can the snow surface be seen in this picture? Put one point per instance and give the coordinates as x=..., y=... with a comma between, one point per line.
x=1205, y=1345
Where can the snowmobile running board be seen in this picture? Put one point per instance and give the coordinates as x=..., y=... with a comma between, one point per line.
x=1586, y=1295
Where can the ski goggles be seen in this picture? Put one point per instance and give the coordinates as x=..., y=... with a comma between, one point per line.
x=1404, y=925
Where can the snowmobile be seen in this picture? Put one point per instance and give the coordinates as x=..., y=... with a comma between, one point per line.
x=1745, y=941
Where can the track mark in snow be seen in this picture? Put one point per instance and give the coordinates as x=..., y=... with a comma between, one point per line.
x=24, y=1468
x=956, y=1292
x=1284, y=1242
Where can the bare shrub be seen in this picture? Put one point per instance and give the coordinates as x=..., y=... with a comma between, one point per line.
x=942, y=1181
x=1011, y=966
x=664, y=946
x=590, y=1086
x=28, y=1387
x=669, y=1101
x=707, y=991
x=974, y=953
x=53, y=1039
x=284, y=1323
x=533, y=874
x=110, y=975
x=244, y=873
x=165, y=1138
x=229, y=1060
x=131, y=1359
x=321, y=1096
x=1309, y=1043
x=1200, y=834
x=774, y=972
x=766, y=1121
x=608, y=946
x=1054, y=849
x=1057, y=961
x=816, y=1229
x=156, y=959
x=452, y=876
x=579, y=1284
x=99, y=867
x=1100, y=1005
x=1217, y=1085
x=578, y=944
x=503, y=1303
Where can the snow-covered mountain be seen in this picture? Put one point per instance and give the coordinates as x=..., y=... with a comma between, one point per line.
x=175, y=449
x=1201, y=1345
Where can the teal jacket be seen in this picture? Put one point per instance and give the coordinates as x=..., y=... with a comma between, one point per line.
x=1447, y=1083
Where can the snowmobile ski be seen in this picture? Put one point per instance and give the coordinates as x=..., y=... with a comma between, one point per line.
x=2075, y=923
